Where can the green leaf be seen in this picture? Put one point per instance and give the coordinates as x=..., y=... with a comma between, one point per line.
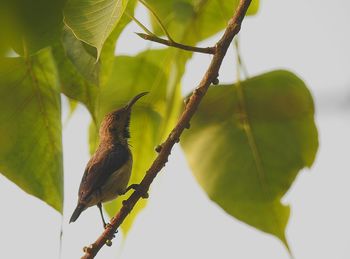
x=73, y=83
x=30, y=127
x=34, y=24
x=93, y=21
x=82, y=56
x=172, y=62
x=80, y=74
x=191, y=21
x=5, y=32
x=147, y=116
x=248, y=142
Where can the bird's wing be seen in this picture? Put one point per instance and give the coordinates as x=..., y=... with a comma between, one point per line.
x=102, y=164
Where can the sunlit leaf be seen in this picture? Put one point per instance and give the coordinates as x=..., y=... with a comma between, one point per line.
x=93, y=21
x=30, y=127
x=246, y=155
x=191, y=21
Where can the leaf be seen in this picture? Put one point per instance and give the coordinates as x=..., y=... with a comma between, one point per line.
x=80, y=75
x=172, y=62
x=5, y=32
x=30, y=127
x=147, y=116
x=246, y=154
x=82, y=56
x=34, y=24
x=93, y=21
x=191, y=21
x=73, y=84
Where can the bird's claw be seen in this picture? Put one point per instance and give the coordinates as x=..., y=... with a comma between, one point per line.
x=138, y=188
x=108, y=225
x=144, y=194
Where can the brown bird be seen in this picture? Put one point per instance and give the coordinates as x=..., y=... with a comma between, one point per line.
x=108, y=171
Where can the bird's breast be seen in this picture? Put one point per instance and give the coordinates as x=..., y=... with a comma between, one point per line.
x=117, y=182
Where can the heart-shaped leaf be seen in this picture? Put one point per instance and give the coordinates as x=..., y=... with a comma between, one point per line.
x=248, y=142
x=30, y=127
x=93, y=21
x=81, y=75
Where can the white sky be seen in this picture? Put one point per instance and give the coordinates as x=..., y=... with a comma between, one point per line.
x=310, y=38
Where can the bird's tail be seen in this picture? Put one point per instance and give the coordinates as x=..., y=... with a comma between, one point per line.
x=78, y=210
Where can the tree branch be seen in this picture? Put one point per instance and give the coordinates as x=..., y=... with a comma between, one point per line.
x=171, y=43
x=211, y=75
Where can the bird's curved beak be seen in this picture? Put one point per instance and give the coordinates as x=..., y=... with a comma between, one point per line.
x=134, y=100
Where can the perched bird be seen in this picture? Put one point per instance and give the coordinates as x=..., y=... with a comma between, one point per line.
x=108, y=172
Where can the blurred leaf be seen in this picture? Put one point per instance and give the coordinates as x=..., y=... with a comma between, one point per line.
x=191, y=21
x=30, y=127
x=82, y=56
x=93, y=21
x=73, y=105
x=73, y=83
x=247, y=158
x=34, y=24
x=172, y=62
x=146, y=118
x=107, y=54
x=80, y=74
x=5, y=32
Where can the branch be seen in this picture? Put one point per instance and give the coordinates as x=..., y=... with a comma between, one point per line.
x=171, y=43
x=211, y=75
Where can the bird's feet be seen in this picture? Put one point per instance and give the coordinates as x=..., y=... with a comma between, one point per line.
x=137, y=187
x=108, y=225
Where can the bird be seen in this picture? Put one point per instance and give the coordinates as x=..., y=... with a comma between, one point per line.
x=108, y=171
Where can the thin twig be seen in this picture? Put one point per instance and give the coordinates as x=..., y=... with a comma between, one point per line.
x=157, y=19
x=222, y=45
x=169, y=42
x=208, y=50
x=143, y=27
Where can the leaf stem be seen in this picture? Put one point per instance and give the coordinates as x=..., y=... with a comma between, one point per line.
x=157, y=19
x=150, y=36
x=207, y=50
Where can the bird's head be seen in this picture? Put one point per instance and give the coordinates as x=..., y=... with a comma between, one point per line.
x=115, y=125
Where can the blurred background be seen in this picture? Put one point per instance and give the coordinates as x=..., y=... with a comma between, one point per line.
x=310, y=38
